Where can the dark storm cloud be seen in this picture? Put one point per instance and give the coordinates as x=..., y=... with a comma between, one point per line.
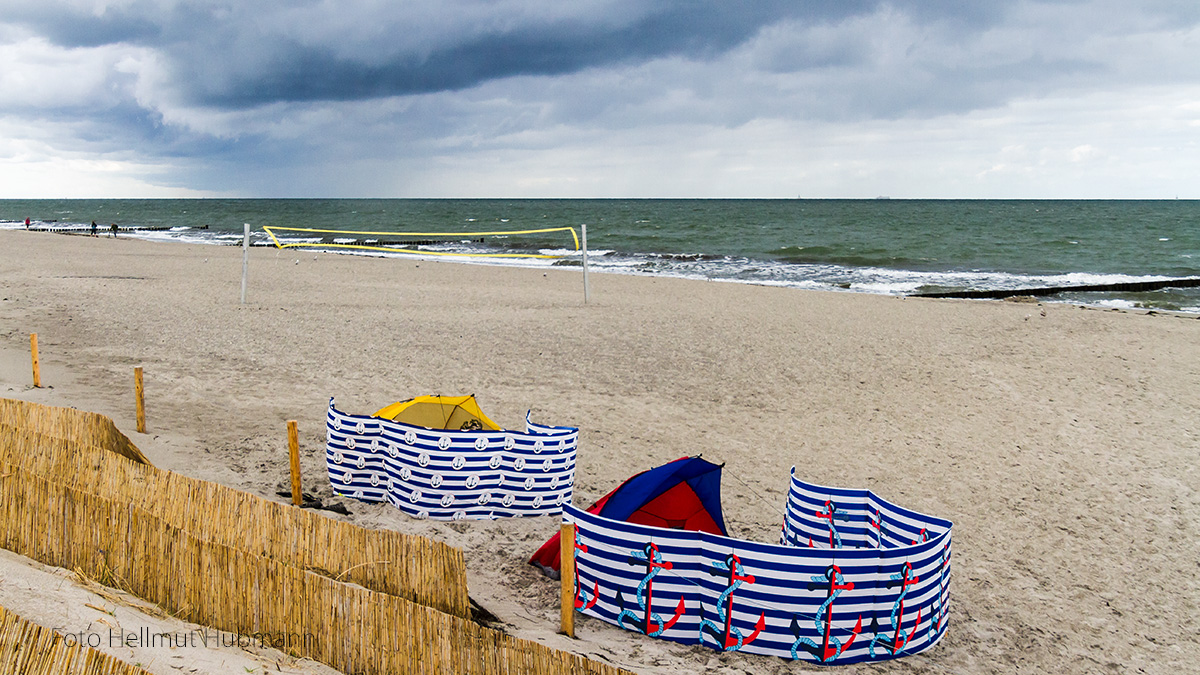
x=84, y=29
x=285, y=96
x=251, y=54
x=245, y=55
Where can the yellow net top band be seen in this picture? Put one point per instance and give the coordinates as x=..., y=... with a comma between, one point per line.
x=390, y=249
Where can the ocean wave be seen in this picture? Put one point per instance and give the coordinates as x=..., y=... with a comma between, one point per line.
x=801, y=267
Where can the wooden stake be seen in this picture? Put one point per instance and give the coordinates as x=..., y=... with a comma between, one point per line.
x=294, y=452
x=139, y=393
x=37, y=371
x=566, y=542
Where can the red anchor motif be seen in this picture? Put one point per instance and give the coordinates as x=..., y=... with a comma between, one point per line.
x=900, y=638
x=650, y=557
x=834, y=586
x=905, y=582
x=832, y=513
x=580, y=602
x=732, y=638
x=650, y=565
x=942, y=613
x=831, y=647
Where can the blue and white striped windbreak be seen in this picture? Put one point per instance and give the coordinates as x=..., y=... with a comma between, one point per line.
x=451, y=475
x=880, y=592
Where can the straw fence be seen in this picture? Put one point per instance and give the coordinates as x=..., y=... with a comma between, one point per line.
x=361, y=601
x=68, y=424
x=29, y=649
x=350, y=628
x=412, y=567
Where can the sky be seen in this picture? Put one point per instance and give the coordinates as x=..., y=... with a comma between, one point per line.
x=1087, y=99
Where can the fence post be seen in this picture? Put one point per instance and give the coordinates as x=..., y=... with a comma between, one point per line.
x=566, y=541
x=294, y=453
x=139, y=393
x=587, y=291
x=37, y=371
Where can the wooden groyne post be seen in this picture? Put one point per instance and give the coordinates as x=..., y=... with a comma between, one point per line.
x=139, y=393
x=294, y=455
x=37, y=371
x=566, y=542
x=1130, y=287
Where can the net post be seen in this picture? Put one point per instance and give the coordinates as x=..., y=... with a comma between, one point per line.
x=33, y=352
x=245, y=257
x=566, y=541
x=139, y=394
x=587, y=291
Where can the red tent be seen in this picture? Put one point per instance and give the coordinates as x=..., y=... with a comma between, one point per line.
x=683, y=495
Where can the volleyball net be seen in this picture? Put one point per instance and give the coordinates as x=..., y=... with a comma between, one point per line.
x=403, y=247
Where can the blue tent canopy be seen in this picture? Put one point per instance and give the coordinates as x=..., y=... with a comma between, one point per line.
x=683, y=495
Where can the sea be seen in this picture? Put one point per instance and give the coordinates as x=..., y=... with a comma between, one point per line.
x=882, y=246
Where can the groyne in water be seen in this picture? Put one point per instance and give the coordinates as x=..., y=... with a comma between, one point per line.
x=86, y=229
x=1132, y=286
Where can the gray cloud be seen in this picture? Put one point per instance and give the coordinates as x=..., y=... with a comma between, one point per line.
x=237, y=94
x=253, y=53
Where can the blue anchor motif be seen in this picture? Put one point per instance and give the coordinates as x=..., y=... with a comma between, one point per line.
x=652, y=623
x=582, y=601
x=832, y=513
x=833, y=647
x=939, y=610
x=899, y=640
x=730, y=638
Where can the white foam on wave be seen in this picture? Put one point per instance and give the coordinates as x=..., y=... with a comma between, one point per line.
x=1086, y=279
x=887, y=288
x=1115, y=303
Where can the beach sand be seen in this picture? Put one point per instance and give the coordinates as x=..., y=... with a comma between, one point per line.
x=1061, y=441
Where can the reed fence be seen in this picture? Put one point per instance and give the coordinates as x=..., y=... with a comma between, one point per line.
x=348, y=627
x=68, y=424
x=412, y=567
x=27, y=648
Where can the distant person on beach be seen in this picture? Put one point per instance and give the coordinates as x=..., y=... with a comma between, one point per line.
x=113, y=229
x=27, y=223
x=93, y=228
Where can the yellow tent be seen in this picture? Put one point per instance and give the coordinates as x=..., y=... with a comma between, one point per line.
x=439, y=412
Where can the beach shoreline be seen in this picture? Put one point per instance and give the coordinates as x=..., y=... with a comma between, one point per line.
x=1061, y=441
x=900, y=247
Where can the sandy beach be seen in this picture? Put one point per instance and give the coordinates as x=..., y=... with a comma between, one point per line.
x=1061, y=441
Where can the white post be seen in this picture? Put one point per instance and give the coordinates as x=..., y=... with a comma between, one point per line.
x=245, y=257
x=587, y=292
